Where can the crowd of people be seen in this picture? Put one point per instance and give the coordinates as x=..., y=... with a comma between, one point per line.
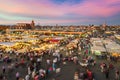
x=40, y=67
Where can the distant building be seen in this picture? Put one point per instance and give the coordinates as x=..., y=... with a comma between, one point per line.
x=4, y=27
x=24, y=25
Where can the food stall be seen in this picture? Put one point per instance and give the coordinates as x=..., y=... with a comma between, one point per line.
x=112, y=47
x=97, y=46
x=7, y=46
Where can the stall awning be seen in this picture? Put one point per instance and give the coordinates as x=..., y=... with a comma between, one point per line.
x=7, y=44
x=97, y=53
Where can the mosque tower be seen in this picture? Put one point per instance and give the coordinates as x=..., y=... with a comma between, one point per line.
x=32, y=24
x=104, y=24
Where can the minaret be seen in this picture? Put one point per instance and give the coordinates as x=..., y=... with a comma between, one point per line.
x=104, y=25
x=32, y=24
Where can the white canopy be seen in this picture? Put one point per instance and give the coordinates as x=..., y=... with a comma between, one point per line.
x=112, y=46
x=7, y=44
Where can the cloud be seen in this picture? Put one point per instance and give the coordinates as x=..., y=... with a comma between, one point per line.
x=96, y=8
x=52, y=10
x=40, y=8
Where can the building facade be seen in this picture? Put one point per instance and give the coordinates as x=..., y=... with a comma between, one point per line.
x=24, y=25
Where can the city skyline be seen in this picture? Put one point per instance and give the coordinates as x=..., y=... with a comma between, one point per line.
x=61, y=12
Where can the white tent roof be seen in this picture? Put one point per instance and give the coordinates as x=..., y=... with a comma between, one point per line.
x=112, y=46
x=9, y=44
x=98, y=48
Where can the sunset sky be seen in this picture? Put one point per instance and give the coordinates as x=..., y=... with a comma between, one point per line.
x=61, y=12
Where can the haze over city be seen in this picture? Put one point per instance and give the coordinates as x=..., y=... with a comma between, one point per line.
x=62, y=12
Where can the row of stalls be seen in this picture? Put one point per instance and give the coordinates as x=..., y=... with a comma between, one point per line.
x=117, y=38
x=97, y=46
x=112, y=47
x=72, y=44
x=30, y=45
x=102, y=46
x=22, y=47
x=14, y=46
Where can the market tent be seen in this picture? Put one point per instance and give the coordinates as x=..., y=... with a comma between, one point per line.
x=54, y=40
x=7, y=44
x=112, y=46
x=84, y=35
x=58, y=38
x=98, y=48
x=98, y=53
x=115, y=54
x=22, y=50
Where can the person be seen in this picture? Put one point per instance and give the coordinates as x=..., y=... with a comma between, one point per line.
x=3, y=69
x=85, y=77
x=1, y=76
x=111, y=66
x=54, y=66
x=48, y=61
x=102, y=66
x=4, y=78
x=29, y=71
x=50, y=69
x=33, y=74
x=81, y=75
x=117, y=75
x=36, y=77
x=39, y=60
x=107, y=74
x=90, y=75
x=27, y=77
x=76, y=77
x=17, y=76
x=75, y=59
